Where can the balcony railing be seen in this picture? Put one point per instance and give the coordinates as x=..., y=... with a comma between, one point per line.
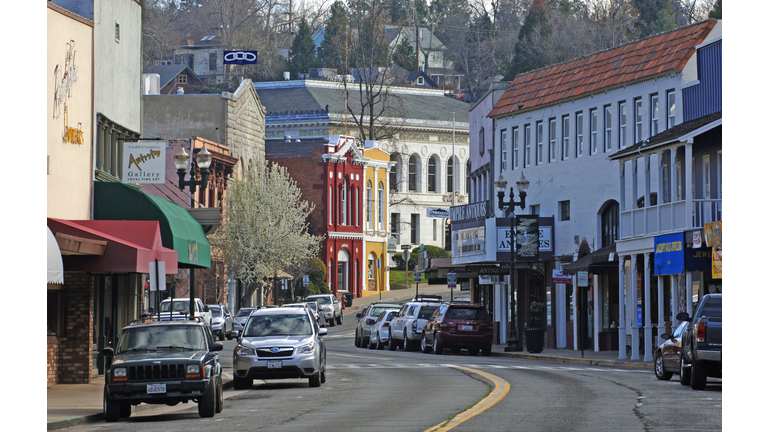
x=669, y=218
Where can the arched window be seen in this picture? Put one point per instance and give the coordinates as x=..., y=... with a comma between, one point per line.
x=466, y=178
x=609, y=221
x=412, y=164
x=393, y=172
x=431, y=174
x=449, y=177
x=330, y=205
x=344, y=203
x=380, y=223
x=369, y=206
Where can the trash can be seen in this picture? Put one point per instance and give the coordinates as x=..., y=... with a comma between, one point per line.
x=534, y=339
x=348, y=298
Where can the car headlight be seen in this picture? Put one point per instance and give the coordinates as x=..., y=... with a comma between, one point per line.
x=120, y=374
x=241, y=350
x=218, y=320
x=306, y=349
x=193, y=371
x=327, y=308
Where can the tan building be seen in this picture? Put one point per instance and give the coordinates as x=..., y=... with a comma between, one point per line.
x=376, y=219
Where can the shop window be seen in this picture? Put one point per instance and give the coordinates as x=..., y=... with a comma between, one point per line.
x=54, y=313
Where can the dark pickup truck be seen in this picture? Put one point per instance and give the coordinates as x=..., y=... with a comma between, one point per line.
x=702, y=343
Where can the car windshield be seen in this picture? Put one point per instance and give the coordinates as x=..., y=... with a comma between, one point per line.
x=215, y=311
x=178, y=306
x=244, y=312
x=378, y=310
x=713, y=308
x=278, y=325
x=426, y=311
x=322, y=300
x=313, y=306
x=152, y=338
x=466, y=314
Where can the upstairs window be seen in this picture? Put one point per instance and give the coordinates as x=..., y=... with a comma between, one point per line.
x=566, y=140
x=552, y=139
x=654, y=115
x=607, y=127
x=670, y=109
x=515, y=148
x=431, y=174
x=579, y=134
x=622, y=124
x=638, y=120
x=503, y=139
x=592, y=131
x=449, y=177
x=527, y=150
x=539, y=143
x=412, y=173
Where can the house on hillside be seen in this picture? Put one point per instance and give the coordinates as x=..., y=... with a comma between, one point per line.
x=205, y=57
x=174, y=78
x=568, y=129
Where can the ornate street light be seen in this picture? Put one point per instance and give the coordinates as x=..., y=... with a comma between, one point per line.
x=181, y=160
x=513, y=341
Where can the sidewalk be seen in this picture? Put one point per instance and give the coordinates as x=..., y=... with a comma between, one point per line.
x=74, y=404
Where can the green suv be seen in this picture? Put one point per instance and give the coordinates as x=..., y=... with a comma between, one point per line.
x=163, y=362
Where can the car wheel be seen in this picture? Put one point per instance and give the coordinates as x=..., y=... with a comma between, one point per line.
x=357, y=340
x=370, y=344
x=333, y=321
x=424, y=347
x=219, y=396
x=322, y=377
x=473, y=351
x=487, y=350
x=685, y=373
x=111, y=408
x=379, y=345
x=698, y=376
x=438, y=345
x=125, y=410
x=229, y=335
x=206, y=405
x=241, y=383
x=407, y=344
x=658, y=368
x=392, y=345
x=221, y=335
x=314, y=380
x=340, y=319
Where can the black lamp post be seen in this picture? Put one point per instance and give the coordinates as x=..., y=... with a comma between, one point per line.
x=181, y=160
x=513, y=342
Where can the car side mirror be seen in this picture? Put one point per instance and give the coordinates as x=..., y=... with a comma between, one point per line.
x=108, y=352
x=322, y=332
x=217, y=346
x=206, y=308
x=683, y=316
x=665, y=336
x=358, y=316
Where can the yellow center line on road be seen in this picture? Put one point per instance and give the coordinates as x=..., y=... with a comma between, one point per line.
x=500, y=389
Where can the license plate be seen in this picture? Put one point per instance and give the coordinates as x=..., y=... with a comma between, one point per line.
x=155, y=388
x=274, y=364
x=466, y=327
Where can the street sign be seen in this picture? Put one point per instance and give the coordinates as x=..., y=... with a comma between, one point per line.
x=417, y=277
x=451, y=280
x=406, y=256
x=306, y=280
x=582, y=279
x=153, y=275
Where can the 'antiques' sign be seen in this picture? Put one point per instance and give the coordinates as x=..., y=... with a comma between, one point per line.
x=470, y=212
x=144, y=162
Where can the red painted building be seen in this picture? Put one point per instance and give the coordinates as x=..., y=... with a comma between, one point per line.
x=330, y=173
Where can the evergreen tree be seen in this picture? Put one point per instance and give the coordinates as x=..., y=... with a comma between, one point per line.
x=717, y=12
x=303, y=56
x=536, y=25
x=656, y=16
x=404, y=55
x=333, y=49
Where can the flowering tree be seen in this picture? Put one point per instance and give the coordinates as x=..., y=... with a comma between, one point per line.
x=265, y=226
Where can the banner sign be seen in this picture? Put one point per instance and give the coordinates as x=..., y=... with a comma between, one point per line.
x=546, y=238
x=240, y=57
x=468, y=242
x=527, y=237
x=437, y=212
x=698, y=259
x=714, y=236
x=669, y=254
x=144, y=162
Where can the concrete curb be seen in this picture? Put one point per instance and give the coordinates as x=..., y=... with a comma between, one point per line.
x=576, y=360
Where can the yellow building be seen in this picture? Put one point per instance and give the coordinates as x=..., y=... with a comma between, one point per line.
x=376, y=224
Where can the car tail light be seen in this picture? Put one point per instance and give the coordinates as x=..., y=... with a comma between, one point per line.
x=701, y=332
x=370, y=321
x=386, y=324
x=414, y=325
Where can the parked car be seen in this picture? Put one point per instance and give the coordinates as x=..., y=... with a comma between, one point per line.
x=241, y=317
x=313, y=308
x=181, y=310
x=367, y=318
x=222, y=322
x=457, y=326
x=331, y=307
x=666, y=359
x=380, y=330
x=406, y=327
x=280, y=343
x=702, y=350
x=163, y=362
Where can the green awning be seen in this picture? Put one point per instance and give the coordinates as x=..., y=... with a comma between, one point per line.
x=178, y=229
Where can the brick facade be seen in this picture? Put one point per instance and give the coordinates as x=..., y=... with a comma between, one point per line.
x=70, y=355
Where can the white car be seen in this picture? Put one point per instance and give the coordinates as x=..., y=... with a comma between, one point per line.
x=380, y=330
x=406, y=327
x=280, y=343
x=331, y=307
x=181, y=310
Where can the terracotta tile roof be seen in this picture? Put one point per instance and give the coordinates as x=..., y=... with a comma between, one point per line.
x=577, y=78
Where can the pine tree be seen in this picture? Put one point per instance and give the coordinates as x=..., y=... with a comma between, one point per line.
x=536, y=24
x=333, y=49
x=717, y=12
x=303, y=51
x=404, y=55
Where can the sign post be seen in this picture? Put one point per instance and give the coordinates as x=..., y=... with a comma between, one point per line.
x=406, y=257
x=451, y=283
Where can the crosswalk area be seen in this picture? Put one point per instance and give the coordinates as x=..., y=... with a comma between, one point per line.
x=475, y=366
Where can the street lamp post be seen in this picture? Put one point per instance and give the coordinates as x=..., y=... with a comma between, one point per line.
x=181, y=160
x=513, y=341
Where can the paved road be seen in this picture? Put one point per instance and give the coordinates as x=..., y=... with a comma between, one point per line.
x=410, y=391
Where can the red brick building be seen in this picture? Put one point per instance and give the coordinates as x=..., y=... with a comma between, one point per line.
x=330, y=173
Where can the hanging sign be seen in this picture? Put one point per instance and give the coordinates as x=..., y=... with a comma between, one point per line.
x=241, y=57
x=437, y=212
x=559, y=277
x=144, y=162
x=527, y=237
x=669, y=254
x=582, y=278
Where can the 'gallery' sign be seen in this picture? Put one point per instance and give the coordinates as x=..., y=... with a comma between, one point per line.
x=144, y=162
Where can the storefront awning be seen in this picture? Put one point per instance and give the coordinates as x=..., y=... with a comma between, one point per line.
x=595, y=262
x=179, y=230
x=111, y=246
x=55, y=264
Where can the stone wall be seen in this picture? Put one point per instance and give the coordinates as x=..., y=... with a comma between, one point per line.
x=245, y=121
